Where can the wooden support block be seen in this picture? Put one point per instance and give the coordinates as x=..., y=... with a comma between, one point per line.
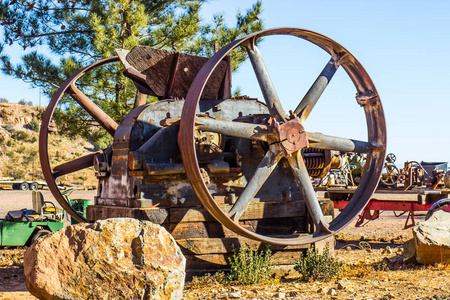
x=258, y=210
x=154, y=215
x=214, y=229
x=226, y=245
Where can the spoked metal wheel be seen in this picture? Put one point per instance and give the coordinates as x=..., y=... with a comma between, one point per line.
x=287, y=136
x=51, y=174
x=390, y=175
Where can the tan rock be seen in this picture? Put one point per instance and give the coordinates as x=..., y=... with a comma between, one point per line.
x=110, y=259
x=432, y=239
x=332, y=292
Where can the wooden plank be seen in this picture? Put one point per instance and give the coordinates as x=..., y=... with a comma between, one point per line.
x=216, y=230
x=158, y=65
x=226, y=245
x=256, y=210
x=155, y=215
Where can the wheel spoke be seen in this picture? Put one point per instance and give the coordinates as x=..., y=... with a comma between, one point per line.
x=75, y=165
x=322, y=141
x=265, y=83
x=304, y=183
x=312, y=96
x=265, y=168
x=99, y=115
x=256, y=132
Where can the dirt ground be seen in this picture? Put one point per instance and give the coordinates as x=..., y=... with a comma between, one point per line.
x=372, y=254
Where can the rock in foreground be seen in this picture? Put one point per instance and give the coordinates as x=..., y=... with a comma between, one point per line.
x=110, y=259
x=431, y=241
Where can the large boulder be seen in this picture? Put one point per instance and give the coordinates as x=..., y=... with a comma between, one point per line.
x=431, y=240
x=118, y=258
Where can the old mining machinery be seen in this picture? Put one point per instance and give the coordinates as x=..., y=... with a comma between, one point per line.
x=199, y=155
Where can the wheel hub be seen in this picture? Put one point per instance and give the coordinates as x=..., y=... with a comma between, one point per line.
x=292, y=135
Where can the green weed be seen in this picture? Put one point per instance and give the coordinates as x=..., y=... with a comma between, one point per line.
x=317, y=265
x=249, y=266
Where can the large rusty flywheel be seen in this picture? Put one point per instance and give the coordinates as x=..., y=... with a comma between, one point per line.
x=287, y=136
x=225, y=148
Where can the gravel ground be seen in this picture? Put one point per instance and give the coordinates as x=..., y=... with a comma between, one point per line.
x=373, y=273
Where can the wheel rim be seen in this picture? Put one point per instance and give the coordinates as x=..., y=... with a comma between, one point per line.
x=367, y=97
x=51, y=174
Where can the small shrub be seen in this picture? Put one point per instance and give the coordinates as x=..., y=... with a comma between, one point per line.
x=20, y=135
x=250, y=266
x=317, y=265
x=10, y=143
x=33, y=126
x=4, y=113
x=3, y=100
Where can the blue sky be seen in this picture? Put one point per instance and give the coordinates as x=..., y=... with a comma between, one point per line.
x=403, y=45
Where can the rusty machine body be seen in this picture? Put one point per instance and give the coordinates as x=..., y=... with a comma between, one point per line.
x=208, y=166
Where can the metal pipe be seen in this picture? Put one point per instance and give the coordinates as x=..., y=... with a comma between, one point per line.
x=237, y=129
x=322, y=141
x=315, y=91
x=265, y=83
x=99, y=115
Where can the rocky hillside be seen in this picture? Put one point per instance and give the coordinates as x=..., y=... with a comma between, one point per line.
x=19, y=150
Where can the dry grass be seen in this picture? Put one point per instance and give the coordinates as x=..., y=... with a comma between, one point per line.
x=19, y=150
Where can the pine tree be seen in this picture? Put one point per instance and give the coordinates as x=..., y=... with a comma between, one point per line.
x=76, y=33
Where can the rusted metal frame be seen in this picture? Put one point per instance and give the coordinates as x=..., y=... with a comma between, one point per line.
x=328, y=142
x=255, y=132
x=136, y=76
x=410, y=216
x=43, y=137
x=90, y=107
x=173, y=72
x=308, y=102
x=267, y=88
x=121, y=143
x=135, y=157
x=375, y=123
x=265, y=168
x=75, y=165
x=225, y=87
x=382, y=205
x=367, y=215
x=309, y=194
